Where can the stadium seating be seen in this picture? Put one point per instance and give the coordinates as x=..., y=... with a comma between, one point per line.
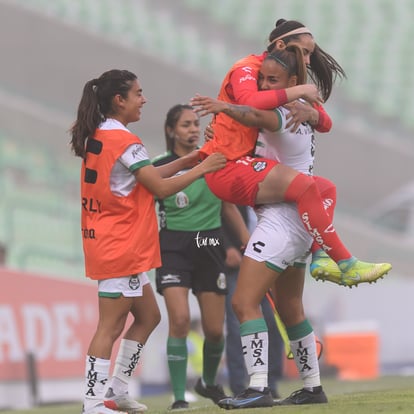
x=370, y=38
x=39, y=219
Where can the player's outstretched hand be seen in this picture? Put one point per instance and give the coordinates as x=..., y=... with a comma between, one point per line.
x=204, y=105
x=208, y=133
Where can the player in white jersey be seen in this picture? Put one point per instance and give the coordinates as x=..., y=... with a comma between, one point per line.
x=295, y=149
x=280, y=233
x=280, y=238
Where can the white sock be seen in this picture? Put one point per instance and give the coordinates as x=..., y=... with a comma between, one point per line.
x=255, y=348
x=306, y=359
x=96, y=377
x=125, y=364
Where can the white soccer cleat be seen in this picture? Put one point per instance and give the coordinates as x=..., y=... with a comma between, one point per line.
x=123, y=403
x=101, y=409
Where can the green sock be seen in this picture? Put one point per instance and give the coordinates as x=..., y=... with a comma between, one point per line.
x=212, y=353
x=299, y=331
x=177, y=356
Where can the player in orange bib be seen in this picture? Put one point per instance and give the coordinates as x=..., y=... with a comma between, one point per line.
x=120, y=231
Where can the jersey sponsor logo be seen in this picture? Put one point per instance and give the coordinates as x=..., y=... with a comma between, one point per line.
x=137, y=149
x=247, y=69
x=134, y=282
x=88, y=233
x=221, y=281
x=181, y=200
x=247, y=78
x=310, y=170
x=313, y=146
x=92, y=205
x=259, y=165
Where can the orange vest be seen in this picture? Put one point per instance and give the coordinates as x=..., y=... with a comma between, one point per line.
x=119, y=233
x=231, y=138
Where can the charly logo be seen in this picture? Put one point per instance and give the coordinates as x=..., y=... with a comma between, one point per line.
x=134, y=282
x=257, y=246
x=259, y=165
x=181, y=200
x=221, y=281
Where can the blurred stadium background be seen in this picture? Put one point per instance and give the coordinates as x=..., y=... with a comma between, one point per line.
x=50, y=48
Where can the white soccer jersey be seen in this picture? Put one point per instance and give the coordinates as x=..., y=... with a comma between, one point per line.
x=295, y=149
x=122, y=180
x=280, y=238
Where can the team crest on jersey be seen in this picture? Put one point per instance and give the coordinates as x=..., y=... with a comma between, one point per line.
x=181, y=200
x=259, y=165
x=221, y=281
x=134, y=282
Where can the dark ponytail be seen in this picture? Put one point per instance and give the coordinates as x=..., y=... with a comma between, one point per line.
x=323, y=68
x=96, y=104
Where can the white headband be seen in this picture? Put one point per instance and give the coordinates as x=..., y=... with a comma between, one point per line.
x=300, y=30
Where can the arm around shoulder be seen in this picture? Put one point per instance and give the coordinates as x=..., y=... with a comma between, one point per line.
x=162, y=187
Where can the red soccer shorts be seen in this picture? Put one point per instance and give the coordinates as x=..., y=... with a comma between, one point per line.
x=238, y=182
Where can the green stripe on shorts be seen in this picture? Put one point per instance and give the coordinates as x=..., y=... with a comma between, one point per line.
x=109, y=294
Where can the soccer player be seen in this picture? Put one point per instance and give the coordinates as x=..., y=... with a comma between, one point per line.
x=192, y=254
x=120, y=231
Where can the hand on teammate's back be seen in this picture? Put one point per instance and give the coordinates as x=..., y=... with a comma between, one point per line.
x=208, y=133
x=214, y=162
